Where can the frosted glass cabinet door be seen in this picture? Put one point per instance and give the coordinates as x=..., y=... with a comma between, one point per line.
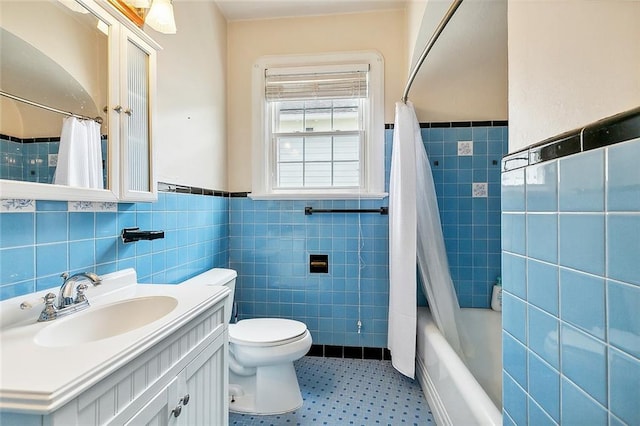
x=137, y=92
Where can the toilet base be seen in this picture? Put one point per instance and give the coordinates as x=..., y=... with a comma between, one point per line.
x=274, y=389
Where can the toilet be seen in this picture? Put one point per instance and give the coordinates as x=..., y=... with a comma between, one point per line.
x=262, y=378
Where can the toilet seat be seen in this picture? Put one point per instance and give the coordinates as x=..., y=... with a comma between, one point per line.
x=266, y=331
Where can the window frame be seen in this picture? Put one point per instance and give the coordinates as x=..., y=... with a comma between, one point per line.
x=264, y=146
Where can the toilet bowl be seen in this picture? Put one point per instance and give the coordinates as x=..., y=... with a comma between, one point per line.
x=262, y=378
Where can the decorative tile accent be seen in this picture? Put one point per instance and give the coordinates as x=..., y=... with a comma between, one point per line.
x=465, y=148
x=17, y=205
x=92, y=206
x=480, y=190
x=81, y=206
x=106, y=207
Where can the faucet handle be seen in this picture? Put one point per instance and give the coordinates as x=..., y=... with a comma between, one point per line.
x=49, y=312
x=80, y=297
x=49, y=298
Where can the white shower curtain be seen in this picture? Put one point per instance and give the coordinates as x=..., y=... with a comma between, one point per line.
x=432, y=254
x=403, y=241
x=80, y=155
x=415, y=233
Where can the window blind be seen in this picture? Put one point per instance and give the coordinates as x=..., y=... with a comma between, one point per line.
x=288, y=84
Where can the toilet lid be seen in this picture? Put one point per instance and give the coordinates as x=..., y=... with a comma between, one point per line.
x=260, y=331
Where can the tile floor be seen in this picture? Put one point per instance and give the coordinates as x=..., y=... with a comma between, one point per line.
x=339, y=391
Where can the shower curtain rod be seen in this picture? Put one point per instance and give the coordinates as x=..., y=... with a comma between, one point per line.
x=443, y=23
x=48, y=108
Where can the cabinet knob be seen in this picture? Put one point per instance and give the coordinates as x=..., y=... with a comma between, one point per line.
x=118, y=109
x=185, y=399
x=176, y=411
x=129, y=112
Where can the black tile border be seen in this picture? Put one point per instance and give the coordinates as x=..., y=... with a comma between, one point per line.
x=608, y=131
x=36, y=140
x=29, y=140
x=185, y=189
x=455, y=124
x=349, y=352
x=612, y=130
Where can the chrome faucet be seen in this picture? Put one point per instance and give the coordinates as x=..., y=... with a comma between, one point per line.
x=66, y=302
x=65, y=297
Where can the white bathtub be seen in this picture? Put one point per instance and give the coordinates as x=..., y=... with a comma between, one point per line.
x=456, y=394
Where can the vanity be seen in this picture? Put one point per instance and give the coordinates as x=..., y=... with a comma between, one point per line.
x=140, y=354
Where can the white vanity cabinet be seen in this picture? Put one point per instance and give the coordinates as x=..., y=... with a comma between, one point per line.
x=192, y=398
x=152, y=387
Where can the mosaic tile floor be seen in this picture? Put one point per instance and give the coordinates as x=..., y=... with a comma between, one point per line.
x=339, y=391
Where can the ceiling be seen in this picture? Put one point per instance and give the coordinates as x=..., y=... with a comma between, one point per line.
x=235, y=10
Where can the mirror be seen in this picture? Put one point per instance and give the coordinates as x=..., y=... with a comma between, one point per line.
x=52, y=53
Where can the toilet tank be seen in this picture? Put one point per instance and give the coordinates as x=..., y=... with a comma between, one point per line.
x=217, y=276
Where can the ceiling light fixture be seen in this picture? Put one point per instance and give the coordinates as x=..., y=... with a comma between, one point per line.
x=160, y=17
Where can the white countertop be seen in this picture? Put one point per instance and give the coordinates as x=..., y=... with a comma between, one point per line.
x=37, y=379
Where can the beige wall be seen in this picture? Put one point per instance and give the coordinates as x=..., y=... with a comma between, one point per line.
x=570, y=63
x=414, y=19
x=249, y=40
x=66, y=71
x=465, y=74
x=191, y=126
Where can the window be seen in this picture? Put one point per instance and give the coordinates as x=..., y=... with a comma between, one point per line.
x=319, y=127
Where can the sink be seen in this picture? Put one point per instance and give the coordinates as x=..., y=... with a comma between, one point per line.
x=102, y=322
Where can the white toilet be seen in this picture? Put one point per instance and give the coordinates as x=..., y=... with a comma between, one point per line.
x=262, y=378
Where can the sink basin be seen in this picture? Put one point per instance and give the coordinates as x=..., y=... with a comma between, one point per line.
x=97, y=323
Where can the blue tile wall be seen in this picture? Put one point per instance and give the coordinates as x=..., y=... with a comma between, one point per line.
x=37, y=246
x=11, y=159
x=574, y=223
x=270, y=244
x=471, y=224
x=29, y=162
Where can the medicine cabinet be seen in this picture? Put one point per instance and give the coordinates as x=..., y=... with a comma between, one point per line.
x=83, y=57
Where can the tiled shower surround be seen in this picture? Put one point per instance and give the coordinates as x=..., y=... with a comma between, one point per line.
x=571, y=322
x=467, y=180
x=42, y=239
x=28, y=159
x=269, y=242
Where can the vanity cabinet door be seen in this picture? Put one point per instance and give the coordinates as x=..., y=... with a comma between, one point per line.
x=204, y=384
x=135, y=111
x=158, y=411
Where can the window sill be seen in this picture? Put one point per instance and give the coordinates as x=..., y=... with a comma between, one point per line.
x=319, y=196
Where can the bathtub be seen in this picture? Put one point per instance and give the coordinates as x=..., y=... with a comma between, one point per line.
x=456, y=394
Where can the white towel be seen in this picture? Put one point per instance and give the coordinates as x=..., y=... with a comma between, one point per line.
x=80, y=155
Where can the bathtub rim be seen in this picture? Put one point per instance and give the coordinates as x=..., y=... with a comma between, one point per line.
x=474, y=404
